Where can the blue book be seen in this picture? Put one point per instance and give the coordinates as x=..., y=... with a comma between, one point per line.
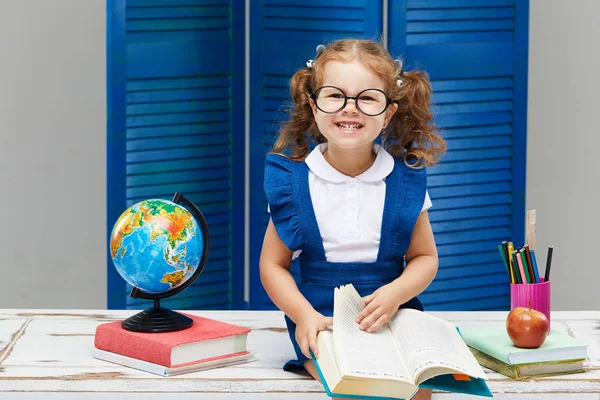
x=413, y=350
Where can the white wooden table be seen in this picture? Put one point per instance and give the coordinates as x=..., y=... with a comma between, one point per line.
x=47, y=354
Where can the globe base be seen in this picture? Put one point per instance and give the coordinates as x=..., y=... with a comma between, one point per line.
x=157, y=320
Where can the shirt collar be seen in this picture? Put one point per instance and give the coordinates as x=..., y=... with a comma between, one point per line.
x=381, y=168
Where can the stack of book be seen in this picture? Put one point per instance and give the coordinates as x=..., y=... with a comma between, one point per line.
x=206, y=344
x=560, y=354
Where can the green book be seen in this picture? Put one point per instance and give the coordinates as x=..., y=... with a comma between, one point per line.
x=530, y=370
x=494, y=341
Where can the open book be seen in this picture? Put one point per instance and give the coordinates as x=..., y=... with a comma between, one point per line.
x=412, y=350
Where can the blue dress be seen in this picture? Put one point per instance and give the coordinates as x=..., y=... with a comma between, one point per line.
x=292, y=213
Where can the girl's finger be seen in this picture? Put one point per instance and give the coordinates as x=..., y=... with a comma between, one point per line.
x=312, y=342
x=368, y=310
x=324, y=323
x=378, y=324
x=302, y=343
x=370, y=319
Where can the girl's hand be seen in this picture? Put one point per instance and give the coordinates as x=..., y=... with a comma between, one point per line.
x=306, y=331
x=380, y=307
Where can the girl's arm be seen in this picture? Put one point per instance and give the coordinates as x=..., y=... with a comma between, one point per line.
x=275, y=261
x=421, y=260
x=421, y=267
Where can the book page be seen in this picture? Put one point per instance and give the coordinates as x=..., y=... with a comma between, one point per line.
x=427, y=342
x=359, y=353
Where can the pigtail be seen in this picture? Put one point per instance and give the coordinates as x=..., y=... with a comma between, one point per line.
x=292, y=141
x=411, y=133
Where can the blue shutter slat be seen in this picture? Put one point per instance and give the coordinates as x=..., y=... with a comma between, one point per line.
x=451, y=85
x=178, y=82
x=466, y=120
x=176, y=165
x=469, y=190
x=460, y=26
x=458, y=37
x=153, y=25
x=464, y=265
x=475, y=235
x=479, y=107
x=476, y=246
x=313, y=25
x=174, y=3
x=478, y=154
x=474, y=295
x=478, y=142
x=179, y=95
x=209, y=187
x=179, y=176
x=472, y=166
x=179, y=12
x=476, y=223
x=473, y=177
x=472, y=201
x=441, y=4
x=479, y=212
x=218, y=138
x=484, y=278
x=302, y=12
x=176, y=130
x=468, y=96
x=178, y=107
x=477, y=131
x=174, y=118
x=170, y=154
x=316, y=5
x=460, y=14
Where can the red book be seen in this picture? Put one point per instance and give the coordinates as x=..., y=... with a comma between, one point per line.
x=207, y=339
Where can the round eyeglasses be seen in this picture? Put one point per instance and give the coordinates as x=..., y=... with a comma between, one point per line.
x=331, y=99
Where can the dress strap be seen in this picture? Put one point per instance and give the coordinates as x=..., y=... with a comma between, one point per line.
x=404, y=197
x=313, y=243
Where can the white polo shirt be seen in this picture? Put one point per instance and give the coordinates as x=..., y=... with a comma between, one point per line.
x=349, y=210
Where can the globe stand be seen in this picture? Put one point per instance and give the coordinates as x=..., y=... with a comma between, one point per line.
x=158, y=319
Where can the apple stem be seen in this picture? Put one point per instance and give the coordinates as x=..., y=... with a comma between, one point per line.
x=529, y=304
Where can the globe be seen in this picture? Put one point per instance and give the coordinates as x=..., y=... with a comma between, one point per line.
x=159, y=247
x=156, y=245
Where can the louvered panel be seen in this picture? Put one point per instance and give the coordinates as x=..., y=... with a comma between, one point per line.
x=470, y=190
x=284, y=36
x=469, y=49
x=179, y=125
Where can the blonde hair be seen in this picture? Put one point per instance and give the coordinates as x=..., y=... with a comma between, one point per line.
x=410, y=134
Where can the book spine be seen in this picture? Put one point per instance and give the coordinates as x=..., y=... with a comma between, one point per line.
x=138, y=348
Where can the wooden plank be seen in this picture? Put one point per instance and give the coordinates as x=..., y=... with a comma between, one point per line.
x=10, y=331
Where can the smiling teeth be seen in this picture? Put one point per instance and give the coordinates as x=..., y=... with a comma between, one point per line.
x=344, y=126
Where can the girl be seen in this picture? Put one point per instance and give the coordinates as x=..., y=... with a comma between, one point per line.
x=352, y=211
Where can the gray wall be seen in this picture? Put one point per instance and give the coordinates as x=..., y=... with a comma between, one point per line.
x=52, y=154
x=52, y=150
x=563, y=180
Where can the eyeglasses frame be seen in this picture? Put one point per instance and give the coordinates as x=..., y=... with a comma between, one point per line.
x=313, y=96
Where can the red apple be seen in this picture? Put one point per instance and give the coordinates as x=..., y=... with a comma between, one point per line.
x=527, y=328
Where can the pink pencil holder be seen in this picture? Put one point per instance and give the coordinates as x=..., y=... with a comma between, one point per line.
x=534, y=295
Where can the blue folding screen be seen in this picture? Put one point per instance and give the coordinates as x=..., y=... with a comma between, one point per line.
x=476, y=54
x=174, y=70
x=176, y=117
